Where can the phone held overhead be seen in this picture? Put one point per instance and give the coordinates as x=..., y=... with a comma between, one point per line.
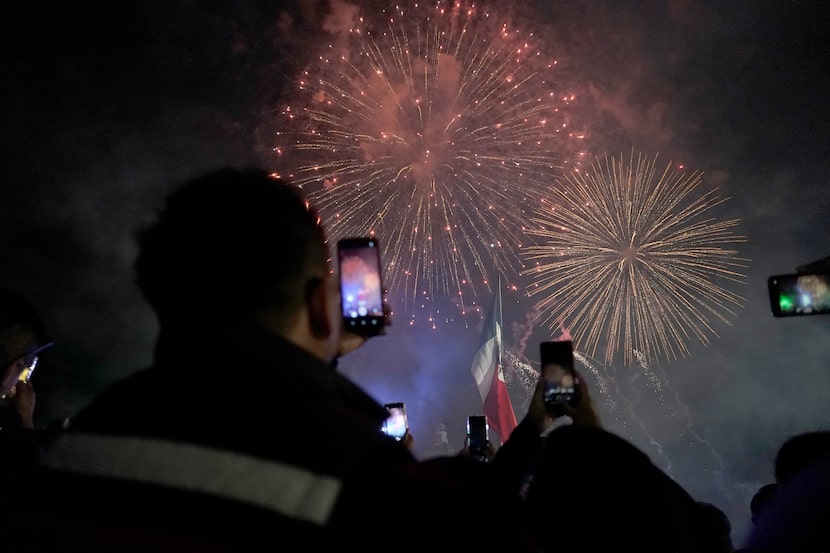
x=561, y=384
x=361, y=287
x=799, y=294
x=396, y=424
x=478, y=436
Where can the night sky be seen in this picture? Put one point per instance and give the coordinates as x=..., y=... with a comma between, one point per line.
x=106, y=107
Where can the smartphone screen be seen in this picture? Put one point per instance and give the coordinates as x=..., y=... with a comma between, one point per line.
x=799, y=294
x=361, y=290
x=396, y=424
x=557, y=364
x=478, y=434
x=26, y=375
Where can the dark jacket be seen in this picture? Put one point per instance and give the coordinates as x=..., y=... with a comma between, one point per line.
x=610, y=496
x=237, y=438
x=20, y=448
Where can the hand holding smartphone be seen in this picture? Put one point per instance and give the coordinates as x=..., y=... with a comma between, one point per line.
x=561, y=385
x=478, y=436
x=361, y=288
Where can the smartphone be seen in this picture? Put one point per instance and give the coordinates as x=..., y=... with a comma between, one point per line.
x=30, y=359
x=361, y=289
x=26, y=375
x=799, y=294
x=396, y=424
x=478, y=435
x=560, y=382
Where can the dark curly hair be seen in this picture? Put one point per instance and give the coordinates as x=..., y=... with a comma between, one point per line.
x=799, y=451
x=18, y=317
x=229, y=243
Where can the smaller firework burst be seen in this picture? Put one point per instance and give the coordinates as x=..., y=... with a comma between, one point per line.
x=633, y=260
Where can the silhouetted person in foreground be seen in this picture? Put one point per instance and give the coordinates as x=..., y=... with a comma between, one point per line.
x=22, y=341
x=717, y=529
x=242, y=435
x=798, y=452
x=760, y=499
x=591, y=490
x=795, y=518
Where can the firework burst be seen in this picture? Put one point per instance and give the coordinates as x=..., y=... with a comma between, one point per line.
x=632, y=262
x=434, y=128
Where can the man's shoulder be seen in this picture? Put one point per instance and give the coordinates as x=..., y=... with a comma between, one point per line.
x=133, y=396
x=88, y=504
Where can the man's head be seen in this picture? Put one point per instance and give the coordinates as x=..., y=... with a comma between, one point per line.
x=237, y=245
x=22, y=338
x=761, y=498
x=798, y=452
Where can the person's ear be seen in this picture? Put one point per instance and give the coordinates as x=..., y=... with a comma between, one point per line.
x=318, y=303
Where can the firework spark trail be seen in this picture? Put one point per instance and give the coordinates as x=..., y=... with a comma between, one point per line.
x=438, y=131
x=633, y=261
x=522, y=376
x=650, y=374
x=524, y=369
x=601, y=379
x=527, y=333
x=608, y=381
x=687, y=420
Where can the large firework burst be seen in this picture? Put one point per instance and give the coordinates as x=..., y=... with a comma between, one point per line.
x=437, y=129
x=634, y=261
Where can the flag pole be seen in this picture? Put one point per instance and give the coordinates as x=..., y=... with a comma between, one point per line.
x=499, y=321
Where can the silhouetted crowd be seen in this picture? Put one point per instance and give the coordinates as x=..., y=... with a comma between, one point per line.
x=209, y=448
